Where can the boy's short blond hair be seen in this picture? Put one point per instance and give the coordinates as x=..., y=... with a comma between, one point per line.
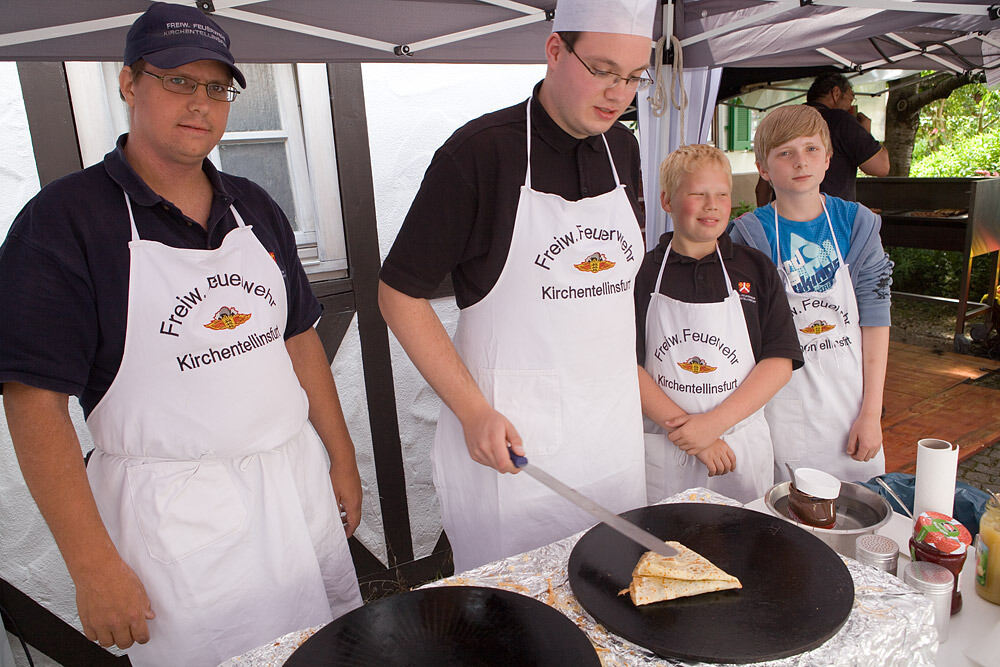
x=687, y=159
x=786, y=123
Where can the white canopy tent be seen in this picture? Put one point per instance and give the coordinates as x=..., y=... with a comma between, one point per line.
x=754, y=35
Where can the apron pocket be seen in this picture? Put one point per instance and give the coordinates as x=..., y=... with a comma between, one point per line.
x=531, y=400
x=182, y=507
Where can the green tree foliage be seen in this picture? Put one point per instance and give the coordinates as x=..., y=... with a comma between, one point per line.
x=975, y=155
x=959, y=135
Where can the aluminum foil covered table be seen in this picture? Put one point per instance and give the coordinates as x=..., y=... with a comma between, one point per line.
x=890, y=624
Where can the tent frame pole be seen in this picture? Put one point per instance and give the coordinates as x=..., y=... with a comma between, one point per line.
x=422, y=45
x=902, y=6
x=82, y=27
x=306, y=29
x=836, y=57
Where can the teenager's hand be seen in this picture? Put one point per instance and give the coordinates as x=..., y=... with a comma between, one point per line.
x=718, y=458
x=865, y=438
x=487, y=434
x=693, y=433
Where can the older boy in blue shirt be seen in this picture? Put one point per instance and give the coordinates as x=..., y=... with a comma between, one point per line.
x=837, y=279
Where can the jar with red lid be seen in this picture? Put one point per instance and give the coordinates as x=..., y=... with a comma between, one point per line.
x=938, y=538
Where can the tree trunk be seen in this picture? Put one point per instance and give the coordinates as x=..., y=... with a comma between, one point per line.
x=901, y=122
x=902, y=113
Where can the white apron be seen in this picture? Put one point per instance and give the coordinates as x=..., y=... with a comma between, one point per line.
x=552, y=347
x=210, y=479
x=811, y=416
x=698, y=354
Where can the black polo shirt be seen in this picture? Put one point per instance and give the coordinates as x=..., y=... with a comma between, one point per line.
x=462, y=218
x=765, y=306
x=64, y=270
x=852, y=144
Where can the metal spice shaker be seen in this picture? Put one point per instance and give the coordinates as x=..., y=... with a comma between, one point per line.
x=879, y=551
x=936, y=583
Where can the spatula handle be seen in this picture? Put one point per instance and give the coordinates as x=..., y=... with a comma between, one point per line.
x=517, y=460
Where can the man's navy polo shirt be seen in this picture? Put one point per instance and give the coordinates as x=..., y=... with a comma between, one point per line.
x=64, y=270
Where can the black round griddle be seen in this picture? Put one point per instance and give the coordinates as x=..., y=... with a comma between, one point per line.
x=453, y=625
x=796, y=593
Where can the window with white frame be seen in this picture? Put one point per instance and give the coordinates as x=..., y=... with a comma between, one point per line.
x=280, y=135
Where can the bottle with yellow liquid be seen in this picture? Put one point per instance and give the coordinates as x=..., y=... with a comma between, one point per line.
x=988, y=553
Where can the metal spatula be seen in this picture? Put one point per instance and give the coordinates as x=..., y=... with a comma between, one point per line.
x=626, y=528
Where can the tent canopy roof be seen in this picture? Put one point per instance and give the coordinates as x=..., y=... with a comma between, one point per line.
x=499, y=31
x=888, y=33
x=943, y=34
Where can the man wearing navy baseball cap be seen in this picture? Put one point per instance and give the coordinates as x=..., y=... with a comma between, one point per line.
x=214, y=512
x=170, y=35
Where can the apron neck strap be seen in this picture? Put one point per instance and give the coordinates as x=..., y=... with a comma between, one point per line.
x=659, y=276
x=131, y=218
x=829, y=223
x=135, y=231
x=239, y=219
x=527, y=173
x=614, y=171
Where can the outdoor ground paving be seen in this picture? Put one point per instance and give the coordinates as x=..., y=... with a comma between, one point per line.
x=982, y=470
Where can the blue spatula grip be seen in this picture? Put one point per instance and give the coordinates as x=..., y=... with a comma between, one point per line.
x=518, y=461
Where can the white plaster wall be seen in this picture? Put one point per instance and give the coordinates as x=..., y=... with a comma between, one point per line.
x=28, y=556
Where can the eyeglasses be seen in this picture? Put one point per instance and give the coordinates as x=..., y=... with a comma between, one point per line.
x=183, y=85
x=611, y=79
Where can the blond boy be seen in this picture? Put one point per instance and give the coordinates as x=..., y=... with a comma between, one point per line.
x=714, y=340
x=837, y=279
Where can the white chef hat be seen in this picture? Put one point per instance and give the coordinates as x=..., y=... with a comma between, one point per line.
x=627, y=17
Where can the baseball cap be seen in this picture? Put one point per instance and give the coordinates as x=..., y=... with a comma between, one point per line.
x=169, y=35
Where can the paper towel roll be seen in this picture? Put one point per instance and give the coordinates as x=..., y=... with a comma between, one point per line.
x=937, y=465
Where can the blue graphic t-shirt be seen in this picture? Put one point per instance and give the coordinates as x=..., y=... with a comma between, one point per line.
x=808, y=253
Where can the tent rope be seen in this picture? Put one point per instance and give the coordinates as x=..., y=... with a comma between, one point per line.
x=659, y=94
x=679, y=103
x=660, y=100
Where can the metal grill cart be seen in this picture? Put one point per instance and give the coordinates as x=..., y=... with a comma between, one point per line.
x=942, y=214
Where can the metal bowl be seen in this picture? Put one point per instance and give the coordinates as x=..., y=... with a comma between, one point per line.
x=860, y=511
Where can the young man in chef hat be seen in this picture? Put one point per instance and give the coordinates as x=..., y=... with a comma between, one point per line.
x=543, y=262
x=169, y=297
x=714, y=338
x=837, y=278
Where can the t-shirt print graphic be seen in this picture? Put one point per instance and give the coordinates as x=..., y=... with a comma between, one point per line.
x=812, y=265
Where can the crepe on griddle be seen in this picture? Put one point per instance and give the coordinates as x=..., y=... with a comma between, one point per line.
x=656, y=578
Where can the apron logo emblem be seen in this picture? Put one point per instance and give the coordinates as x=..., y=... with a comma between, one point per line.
x=743, y=287
x=595, y=263
x=227, y=318
x=696, y=365
x=818, y=327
